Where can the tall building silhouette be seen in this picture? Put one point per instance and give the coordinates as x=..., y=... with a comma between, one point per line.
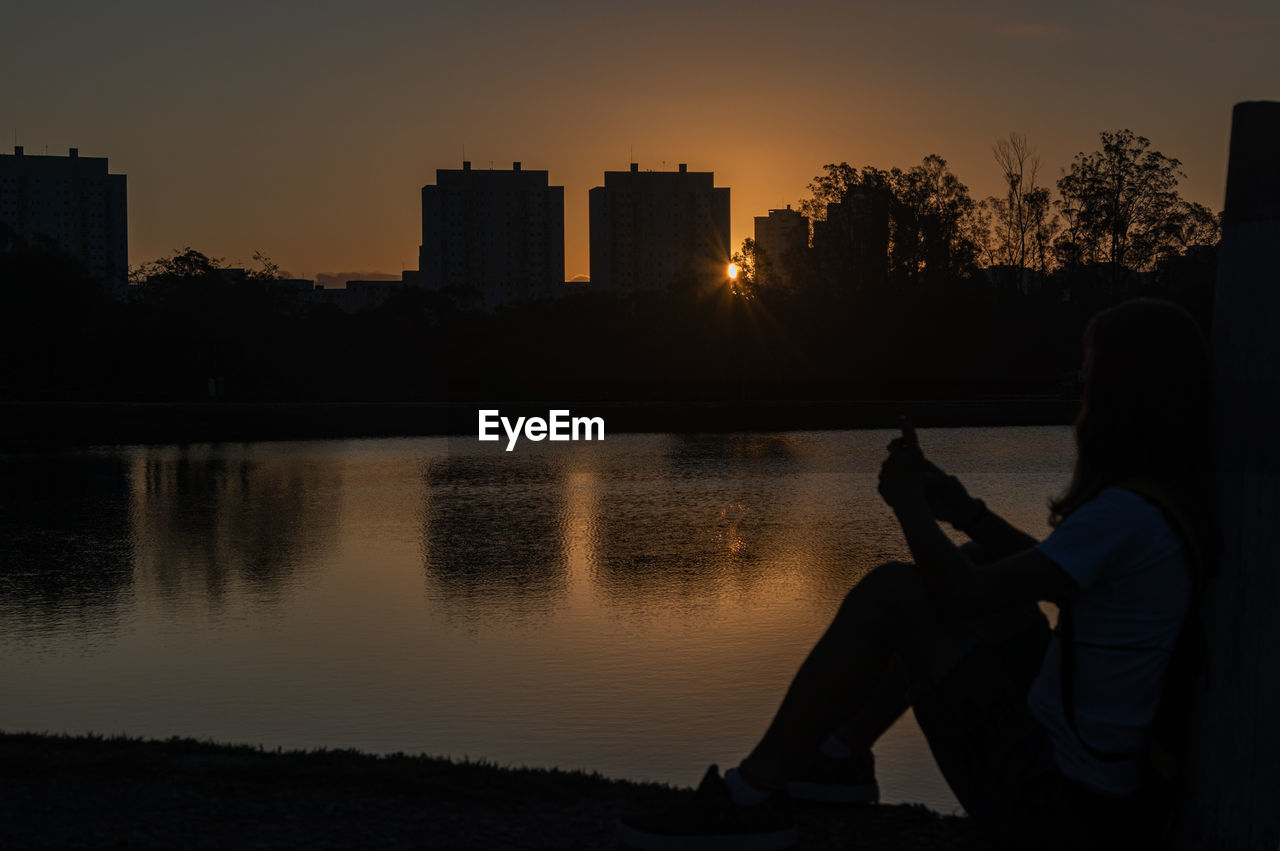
x=782, y=234
x=499, y=233
x=651, y=230
x=70, y=204
x=855, y=235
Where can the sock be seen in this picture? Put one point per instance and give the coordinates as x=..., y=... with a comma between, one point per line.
x=742, y=792
x=833, y=748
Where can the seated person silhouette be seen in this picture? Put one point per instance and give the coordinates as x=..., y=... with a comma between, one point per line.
x=1042, y=736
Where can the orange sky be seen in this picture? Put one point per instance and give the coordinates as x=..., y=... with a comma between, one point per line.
x=306, y=130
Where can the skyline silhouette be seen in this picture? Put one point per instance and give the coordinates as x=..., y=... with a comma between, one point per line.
x=501, y=232
x=902, y=261
x=306, y=132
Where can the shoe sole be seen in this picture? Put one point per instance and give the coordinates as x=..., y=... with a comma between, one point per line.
x=833, y=793
x=643, y=841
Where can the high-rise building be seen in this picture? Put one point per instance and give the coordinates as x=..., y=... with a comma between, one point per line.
x=652, y=230
x=70, y=204
x=781, y=235
x=499, y=233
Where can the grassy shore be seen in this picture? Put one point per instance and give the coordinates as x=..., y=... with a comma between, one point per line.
x=91, y=792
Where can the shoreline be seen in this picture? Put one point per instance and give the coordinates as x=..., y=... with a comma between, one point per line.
x=95, y=792
x=36, y=424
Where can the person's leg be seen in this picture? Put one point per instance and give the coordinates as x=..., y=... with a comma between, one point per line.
x=1019, y=637
x=995, y=756
x=886, y=705
x=1009, y=630
x=885, y=634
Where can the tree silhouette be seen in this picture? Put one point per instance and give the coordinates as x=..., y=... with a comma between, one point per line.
x=830, y=188
x=186, y=264
x=1021, y=224
x=928, y=233
x=267, y=270
x=1119, y=205
x=755, y=269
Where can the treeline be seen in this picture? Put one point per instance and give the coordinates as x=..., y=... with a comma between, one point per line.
x=1117, y=215
x=957, y=338
x=928, y=320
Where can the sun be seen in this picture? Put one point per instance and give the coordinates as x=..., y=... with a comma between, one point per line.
x=733, y=271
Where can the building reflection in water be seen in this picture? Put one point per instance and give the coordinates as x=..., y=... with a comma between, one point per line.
x=493, y=532
x=648, y=524
x=207, y=518
x=64, y=523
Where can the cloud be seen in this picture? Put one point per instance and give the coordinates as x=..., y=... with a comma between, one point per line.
x=1193, y=21
x=338, y=280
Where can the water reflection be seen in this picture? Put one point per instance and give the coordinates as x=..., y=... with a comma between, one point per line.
x=689, y=452
x=670, y=533
x=494, y=532
x=67, y=553
x=629, y=607
x=207, y=519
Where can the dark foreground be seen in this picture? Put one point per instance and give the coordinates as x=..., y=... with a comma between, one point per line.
x=78, y=792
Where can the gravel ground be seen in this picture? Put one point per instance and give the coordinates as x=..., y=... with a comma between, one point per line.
x=85, y=792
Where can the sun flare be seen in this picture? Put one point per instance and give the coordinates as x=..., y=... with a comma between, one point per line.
x=733, y=271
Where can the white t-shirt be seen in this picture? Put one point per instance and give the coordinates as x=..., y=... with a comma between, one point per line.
x=1134, y=574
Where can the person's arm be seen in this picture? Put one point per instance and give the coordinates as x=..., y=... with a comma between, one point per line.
x=949, y=501
x=959, y=588
x=964, y=590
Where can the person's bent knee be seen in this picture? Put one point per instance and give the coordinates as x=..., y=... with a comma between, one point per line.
x=886, y=588
x=893, y=578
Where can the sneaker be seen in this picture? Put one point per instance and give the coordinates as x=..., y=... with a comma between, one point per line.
x=711, y=821
x=838, y=781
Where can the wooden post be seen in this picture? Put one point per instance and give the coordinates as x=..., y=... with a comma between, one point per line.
x=1234, y=772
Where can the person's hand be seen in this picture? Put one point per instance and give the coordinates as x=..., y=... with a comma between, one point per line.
x=946, y=496
x=903, y=473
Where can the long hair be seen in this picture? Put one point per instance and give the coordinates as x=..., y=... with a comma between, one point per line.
x=1145, y=415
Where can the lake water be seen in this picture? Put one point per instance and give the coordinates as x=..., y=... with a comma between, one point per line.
x=634, y=607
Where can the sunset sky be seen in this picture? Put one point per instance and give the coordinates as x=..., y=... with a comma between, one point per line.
x=306, y=129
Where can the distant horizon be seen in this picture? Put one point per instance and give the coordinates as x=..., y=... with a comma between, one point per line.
x=307, y=132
